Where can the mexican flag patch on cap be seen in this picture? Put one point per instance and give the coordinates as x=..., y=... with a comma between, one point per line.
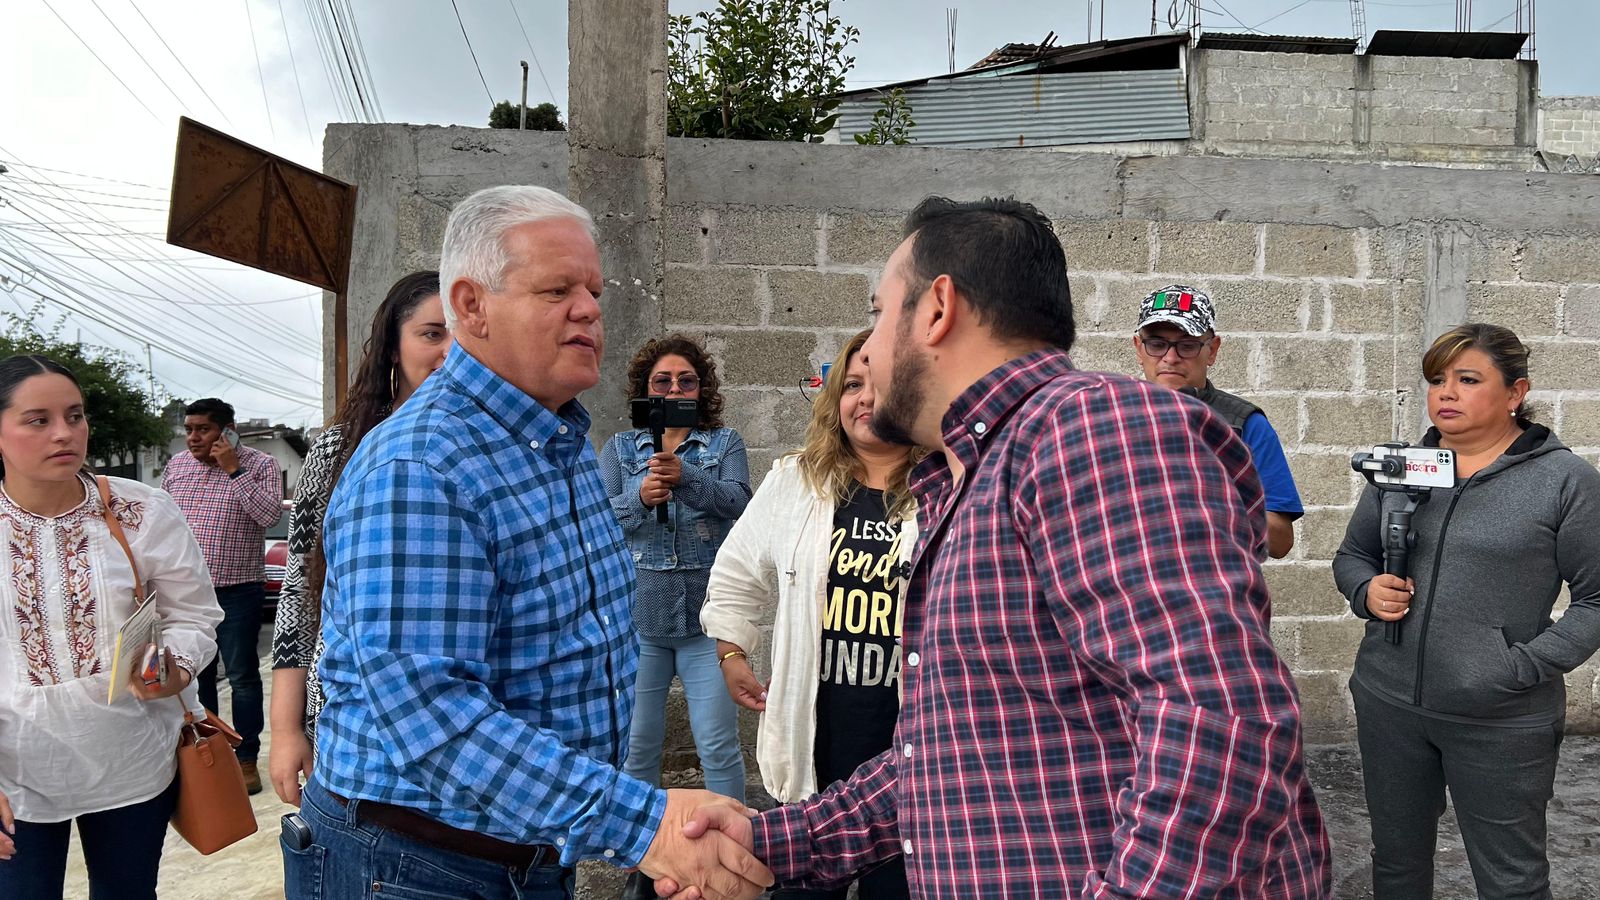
x=1182, y=301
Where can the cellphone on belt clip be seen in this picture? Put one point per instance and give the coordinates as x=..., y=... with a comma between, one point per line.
x=296, y=833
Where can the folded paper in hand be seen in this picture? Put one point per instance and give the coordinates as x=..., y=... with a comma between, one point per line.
x=142, y=629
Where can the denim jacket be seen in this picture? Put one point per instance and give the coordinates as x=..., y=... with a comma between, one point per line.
x=712, y=494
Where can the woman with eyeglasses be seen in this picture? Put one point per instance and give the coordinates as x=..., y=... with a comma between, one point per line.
x=702, y=476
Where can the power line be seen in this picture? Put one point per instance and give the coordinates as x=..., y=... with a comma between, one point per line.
x=338, y=29
x=153, y=187
x=284, y=20
x=136, y=52
x=532, y=52
x=473, y=52
x=1284, y=13
x=84, y=190
x=343, y=101
x=204, y=286
x=242, y=350
x=361, y=54
x=102, y=62
x=260, y=77
x=75, y=305
x=179, y=61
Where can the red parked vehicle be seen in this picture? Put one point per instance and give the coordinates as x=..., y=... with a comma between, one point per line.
x=277, y=554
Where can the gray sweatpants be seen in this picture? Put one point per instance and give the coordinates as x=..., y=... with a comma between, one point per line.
x=1500, y=780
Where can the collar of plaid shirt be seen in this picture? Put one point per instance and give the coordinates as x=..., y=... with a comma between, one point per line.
x=1092, y=699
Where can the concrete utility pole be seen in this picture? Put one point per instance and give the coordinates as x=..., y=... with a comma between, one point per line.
x=522, y=123
x=617, y=140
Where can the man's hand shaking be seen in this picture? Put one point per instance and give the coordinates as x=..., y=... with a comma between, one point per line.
x=702, y=849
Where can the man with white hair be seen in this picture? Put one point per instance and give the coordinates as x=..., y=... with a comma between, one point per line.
x=480, y=650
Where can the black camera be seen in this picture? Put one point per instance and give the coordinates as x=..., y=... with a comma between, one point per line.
x=659, y=413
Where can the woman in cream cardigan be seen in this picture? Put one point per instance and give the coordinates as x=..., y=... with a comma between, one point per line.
x=834, y=525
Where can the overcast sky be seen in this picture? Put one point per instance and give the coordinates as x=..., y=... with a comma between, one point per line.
x=86, y=206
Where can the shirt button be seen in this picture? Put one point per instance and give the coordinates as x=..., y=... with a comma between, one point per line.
x=606, y=619
x=905, y=846
x=912, y=659
x=533, y=445
x=563, y=430
x=562, y=842
x=908, y=751
x=609, y=854
x=979, y=427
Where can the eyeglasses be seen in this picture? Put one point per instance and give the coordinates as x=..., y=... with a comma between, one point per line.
x=662, y=384
x=1155, y=348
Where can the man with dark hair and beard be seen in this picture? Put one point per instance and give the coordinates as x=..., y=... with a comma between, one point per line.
x=1093, y=706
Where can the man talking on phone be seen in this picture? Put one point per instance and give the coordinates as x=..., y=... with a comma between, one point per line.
x=230, y=494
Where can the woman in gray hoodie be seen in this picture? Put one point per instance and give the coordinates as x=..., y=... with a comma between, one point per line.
x=1473, y=698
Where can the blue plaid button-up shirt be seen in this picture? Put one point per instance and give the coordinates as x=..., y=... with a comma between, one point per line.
x=480, y=651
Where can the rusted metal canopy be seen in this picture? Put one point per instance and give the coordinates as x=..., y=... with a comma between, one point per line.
x=241, y=203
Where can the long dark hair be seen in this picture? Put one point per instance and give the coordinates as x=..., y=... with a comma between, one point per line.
x=17, y=369
x=690, y=349
x=371, y=397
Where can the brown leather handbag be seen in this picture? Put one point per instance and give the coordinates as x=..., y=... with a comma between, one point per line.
x=213, y=807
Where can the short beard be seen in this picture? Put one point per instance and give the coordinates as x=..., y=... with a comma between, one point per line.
x=896, y=413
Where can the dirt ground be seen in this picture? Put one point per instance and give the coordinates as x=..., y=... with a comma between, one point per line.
x=253, y=868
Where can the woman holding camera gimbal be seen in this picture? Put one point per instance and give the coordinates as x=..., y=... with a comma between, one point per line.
x=702, y=476
x=1472, y=697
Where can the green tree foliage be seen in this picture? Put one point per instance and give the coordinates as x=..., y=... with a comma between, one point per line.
x=122, y=419
x=758, y=70
x=892, y=122
x=544, y=117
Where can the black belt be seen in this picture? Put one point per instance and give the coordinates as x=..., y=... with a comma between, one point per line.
x=434, y=833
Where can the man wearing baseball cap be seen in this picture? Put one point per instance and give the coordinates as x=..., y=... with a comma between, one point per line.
x=1177, y=343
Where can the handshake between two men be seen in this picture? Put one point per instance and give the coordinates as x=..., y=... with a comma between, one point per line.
x=702, y=850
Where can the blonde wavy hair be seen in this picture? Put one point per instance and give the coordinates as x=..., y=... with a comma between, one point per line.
x=828, y=463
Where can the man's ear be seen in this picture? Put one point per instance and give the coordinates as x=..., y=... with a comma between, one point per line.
x=1212, y=347
x=940, y=303
x=467, y=301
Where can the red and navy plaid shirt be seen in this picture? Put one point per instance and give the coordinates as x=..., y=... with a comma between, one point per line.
x=229, y=516
x=1093, y=707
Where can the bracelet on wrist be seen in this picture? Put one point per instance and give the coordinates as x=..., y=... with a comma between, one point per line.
x=731, y=654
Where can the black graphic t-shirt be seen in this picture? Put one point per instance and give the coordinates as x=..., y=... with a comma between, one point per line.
x=858, y=699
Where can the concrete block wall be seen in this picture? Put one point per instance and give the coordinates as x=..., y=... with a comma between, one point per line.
x=1327, y=277
x=1437, y=100
x=1570, y=126
x=1459, y=112
x=1293, y=98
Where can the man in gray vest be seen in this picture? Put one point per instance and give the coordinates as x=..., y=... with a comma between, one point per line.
x=1177, y=344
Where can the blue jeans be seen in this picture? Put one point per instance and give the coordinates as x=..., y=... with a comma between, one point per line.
x=351, y=859
x=121, y=849
x=713, y=717
x=237, y=638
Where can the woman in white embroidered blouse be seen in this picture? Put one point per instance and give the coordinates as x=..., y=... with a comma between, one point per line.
x=67, y=754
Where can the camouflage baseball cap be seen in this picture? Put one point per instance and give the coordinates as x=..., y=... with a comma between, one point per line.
x=1186, y=307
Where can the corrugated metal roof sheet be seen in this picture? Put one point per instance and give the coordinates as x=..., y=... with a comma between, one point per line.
x=1459, y=44
x=1049, y=58
x=1039, y=110
x=1274, y=43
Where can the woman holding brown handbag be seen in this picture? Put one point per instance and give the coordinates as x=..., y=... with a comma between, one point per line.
x=66, y=754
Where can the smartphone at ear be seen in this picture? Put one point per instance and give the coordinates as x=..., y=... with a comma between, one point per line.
x=232, y=437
